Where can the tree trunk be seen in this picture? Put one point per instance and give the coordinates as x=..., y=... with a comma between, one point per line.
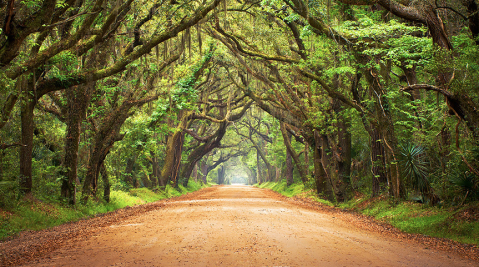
x=384, y=123
x=104, y=139
x=78, y=100
x=330, y=166
x=204, y=170
x=26, y=149
x=344, y=164
x=202, y=150
x=289, y=169
x=174, y=148
x=251, y=175
x=128, y=178
x=221, y=175
x=473, y=15
x=195, y=173
x=91, y=179
x=319, y=172
x=378, y=159
x=155, y=175
x=100, y=151
x=269, y=169
x=306, y=157
x=1, y=165
x=106, y=183
x=72, y=141
x=258, y=167
x=299, y=164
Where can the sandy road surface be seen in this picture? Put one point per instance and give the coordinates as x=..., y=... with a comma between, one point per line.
x=241, y=226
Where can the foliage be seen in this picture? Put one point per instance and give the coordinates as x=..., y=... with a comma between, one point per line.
x=185, y=95
x=414, y=167
x=468, y=185
x=417, y=218
x=296, y=189
x=360, y=61
x=47, y=213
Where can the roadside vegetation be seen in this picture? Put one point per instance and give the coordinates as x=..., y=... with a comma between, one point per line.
x=43, y=212
x=458, y=224
x=294, y=190
x=346, y=97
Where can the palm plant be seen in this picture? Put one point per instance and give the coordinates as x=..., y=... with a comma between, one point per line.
x=414, y=168
x=468, y=185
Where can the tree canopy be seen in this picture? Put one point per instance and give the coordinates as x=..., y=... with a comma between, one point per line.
x=371, y=96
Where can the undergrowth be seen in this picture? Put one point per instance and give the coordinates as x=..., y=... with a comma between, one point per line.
x=461, y=225
x=417, y=218
x=45, y=213
x=296, y=189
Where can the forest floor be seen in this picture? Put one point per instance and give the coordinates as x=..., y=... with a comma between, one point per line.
x=232, y=226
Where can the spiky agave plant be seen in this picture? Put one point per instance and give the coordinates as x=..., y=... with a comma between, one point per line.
x=468, y=185
x=466, y=180
x=414, y=168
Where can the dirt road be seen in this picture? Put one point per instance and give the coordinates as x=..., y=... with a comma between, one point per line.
x=242, y=226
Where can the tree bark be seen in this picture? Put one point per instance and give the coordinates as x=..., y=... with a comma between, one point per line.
x=128, y=177
x=26, y=149
x=322, y=185
x=155, y=175
x=106, y=183
x=105, y=137
x=221, y=175
x=195, y=172
x=258, y=167
x=344, y=161
x=204, y=169
x=174, y=148
x=378, y=159
x=299, y=164
x=270, y=171
x=330, y=166
x=201, y=151
x=473, y=14
x=306, y=157
x=289, y=167
x=78, y=100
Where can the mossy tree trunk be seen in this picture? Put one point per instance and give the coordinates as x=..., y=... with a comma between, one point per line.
x=323, y=187
x=78, y=100
x=174, y=147
x=26, y=150
x=299, y=164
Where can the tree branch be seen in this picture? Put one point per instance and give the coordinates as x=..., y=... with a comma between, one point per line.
x=5, y=146
x=426, y=87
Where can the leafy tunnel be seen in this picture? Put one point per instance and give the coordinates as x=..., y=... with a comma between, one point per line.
x=340, y=95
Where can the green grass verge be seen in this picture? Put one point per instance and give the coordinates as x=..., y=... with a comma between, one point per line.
x=46, y=213
x=451, y=223
x=296, y=189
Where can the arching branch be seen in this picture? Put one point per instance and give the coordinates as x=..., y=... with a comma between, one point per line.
x=426, y=87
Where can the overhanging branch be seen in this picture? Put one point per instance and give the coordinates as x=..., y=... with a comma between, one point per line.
x=426, y=87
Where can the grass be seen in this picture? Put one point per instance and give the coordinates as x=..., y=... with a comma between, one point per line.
x=459, y=224
x=296, y=189
x=282, y=188
x=412, y=217
x=45, y=213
